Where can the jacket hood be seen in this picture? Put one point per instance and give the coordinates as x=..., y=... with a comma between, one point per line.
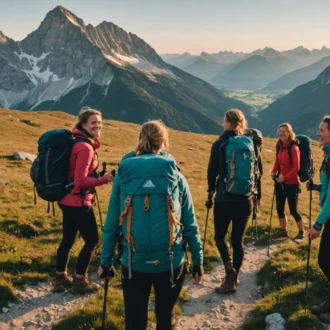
x=95, y=143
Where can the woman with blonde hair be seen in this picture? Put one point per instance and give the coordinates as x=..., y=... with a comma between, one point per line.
x=149, y=204
x=76, y=206
x=228, y=207
x=285, y=173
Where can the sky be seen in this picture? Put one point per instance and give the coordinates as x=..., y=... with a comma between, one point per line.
x=177, y=26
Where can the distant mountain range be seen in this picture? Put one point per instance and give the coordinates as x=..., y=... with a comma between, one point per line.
x=298, y=77
x=66, y=64
x=303, y=107
x=247, y=70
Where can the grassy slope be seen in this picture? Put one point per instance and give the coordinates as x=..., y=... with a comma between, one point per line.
x=26, y=259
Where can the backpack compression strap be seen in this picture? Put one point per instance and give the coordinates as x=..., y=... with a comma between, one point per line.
x=171, y=221
x=232, y=172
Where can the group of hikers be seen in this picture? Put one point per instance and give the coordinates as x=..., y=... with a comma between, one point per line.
x=151, y=210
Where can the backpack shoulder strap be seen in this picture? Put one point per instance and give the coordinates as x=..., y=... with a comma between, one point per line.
x=292, y=143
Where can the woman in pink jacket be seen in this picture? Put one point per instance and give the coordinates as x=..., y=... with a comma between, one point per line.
x=78, y=214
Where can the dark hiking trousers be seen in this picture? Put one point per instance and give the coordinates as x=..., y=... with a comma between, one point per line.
x=77, y=220
x=238, y=213
x=323, y=258
x=290, y=192
x=136, y=297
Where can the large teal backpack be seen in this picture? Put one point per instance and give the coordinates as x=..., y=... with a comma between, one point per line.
x=241, y=166
x=149, y=186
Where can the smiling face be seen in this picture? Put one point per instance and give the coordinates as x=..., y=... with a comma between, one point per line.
x=283, y=134
x=324, y=134
x=93, y=125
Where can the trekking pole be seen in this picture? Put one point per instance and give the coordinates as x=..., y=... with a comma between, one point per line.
x=254, y=215
x=206, y=221
x=106, y=285
x=309, y=239
x=270, y=219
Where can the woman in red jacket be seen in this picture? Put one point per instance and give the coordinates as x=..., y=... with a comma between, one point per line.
x=78, y=214
x=286, y=167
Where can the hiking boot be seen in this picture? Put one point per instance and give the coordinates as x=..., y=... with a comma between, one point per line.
x=229, y=284
x=283, y=233
x=323, y=308
x=325, y=317
x=237, y=281
x=83, y=285
x=300, y=236
x=62, y=282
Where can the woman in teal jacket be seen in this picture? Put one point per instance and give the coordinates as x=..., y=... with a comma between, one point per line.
x=150, y=204
x=322, y=221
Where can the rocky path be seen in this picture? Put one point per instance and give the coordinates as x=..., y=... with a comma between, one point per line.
x=39, y=308
x=208, y=310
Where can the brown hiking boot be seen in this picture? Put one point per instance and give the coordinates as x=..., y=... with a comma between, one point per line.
x=229, y=284
x=237, y=281
x=323, y=308
x=62, y=282
x=83, y=285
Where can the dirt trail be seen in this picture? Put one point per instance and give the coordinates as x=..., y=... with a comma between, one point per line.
x=39, y=308
x=208, y=310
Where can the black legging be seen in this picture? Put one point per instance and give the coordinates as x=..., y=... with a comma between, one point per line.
x=323, y=258
x=75, y=220
x=136, y=297
x=290, y=192
x=239, y=213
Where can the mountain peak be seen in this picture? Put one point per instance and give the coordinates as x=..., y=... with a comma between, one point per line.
x=3, y=38
x=61, y=13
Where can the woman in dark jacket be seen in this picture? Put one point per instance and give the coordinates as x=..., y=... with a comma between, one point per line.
x=322, y=220
x=78, y=214
x=228, y=207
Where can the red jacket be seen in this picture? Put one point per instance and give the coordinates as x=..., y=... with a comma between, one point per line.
x=83, y=162
x=283, y=164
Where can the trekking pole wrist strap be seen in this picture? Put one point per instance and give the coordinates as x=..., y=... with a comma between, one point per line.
x=107, y=272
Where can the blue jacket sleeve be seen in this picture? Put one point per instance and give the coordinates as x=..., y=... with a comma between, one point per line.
x=111, y=228
x=189, y=222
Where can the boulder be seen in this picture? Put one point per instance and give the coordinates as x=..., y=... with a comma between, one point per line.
x=24, y=156
x=275, y=321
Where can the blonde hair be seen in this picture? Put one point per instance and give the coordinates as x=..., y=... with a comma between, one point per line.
x=153, y=137
x=237, y=119
x=288, y=127
x=83, y=116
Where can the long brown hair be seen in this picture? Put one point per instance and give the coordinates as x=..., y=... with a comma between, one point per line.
x=83, y=116
x=153, y=137
x=237, y=119
x=288, y=127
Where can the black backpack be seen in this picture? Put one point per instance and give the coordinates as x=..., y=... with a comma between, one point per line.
x=306, y=158
x=257, y=139
x=49, y=171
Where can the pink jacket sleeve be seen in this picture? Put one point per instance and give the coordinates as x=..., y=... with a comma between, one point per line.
x=84, y=160
x=295, y=153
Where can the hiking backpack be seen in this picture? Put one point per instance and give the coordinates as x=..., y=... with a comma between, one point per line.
x=241, y=166
x=256, y=136
x=149, y=186
x=49, y=171
x=306, y=158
